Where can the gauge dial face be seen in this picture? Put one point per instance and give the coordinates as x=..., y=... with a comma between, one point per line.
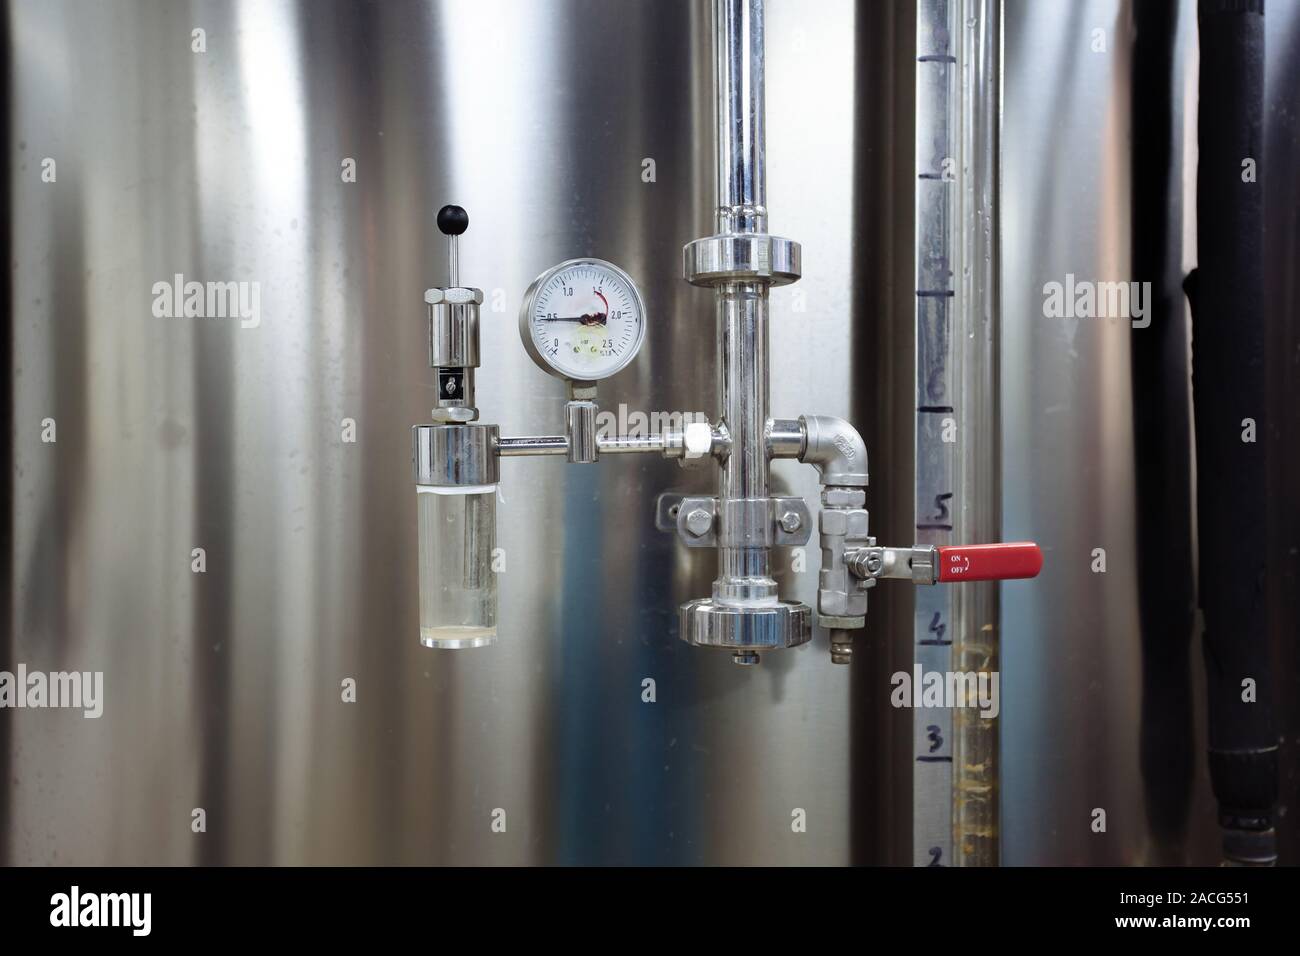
x=582, y=320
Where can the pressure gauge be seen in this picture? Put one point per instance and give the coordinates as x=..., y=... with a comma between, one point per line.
x=582, y=320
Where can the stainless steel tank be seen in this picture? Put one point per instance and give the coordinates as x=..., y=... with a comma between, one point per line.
x=1078, y=729
x=224, y=688
x=1071, y=653
x=279, y=443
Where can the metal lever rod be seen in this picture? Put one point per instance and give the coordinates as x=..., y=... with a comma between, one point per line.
x=452, y=223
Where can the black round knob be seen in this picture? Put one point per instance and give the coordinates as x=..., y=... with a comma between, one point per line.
x=452, y=220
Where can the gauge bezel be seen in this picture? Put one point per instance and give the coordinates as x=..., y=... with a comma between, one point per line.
x=530, y=298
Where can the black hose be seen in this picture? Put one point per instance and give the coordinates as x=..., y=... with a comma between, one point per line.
x=1228, y=392
x=1162, y=442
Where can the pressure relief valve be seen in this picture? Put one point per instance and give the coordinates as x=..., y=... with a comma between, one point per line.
x=456, y=470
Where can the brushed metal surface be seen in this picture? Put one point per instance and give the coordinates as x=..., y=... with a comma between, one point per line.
x=1071, y=653
x=223, y=688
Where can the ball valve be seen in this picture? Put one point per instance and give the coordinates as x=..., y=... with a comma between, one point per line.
x=852, y=561
x=931, y=564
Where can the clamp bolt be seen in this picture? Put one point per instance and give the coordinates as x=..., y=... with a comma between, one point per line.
x=698, y=522
x=791, y=522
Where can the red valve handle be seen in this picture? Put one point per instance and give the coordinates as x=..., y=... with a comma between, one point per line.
x=990, y=562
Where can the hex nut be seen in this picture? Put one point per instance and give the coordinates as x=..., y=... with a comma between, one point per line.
x=835, y=522
x=843, y=497
x=455, y=413
x=698, y=439
x=456, y=296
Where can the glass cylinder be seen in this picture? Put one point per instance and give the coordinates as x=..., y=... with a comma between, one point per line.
x=458, y=588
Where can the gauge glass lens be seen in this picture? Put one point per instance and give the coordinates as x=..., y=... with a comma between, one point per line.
x=585, y=319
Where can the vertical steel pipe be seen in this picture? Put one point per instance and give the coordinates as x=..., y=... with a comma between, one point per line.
x=744, y=560
x=738, y=63
x=741, y=262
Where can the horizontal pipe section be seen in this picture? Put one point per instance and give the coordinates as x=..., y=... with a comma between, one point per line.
x=532, y=445
x=785, y=438
x=623, y=445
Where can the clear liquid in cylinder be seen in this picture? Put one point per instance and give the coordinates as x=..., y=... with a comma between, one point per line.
x=458, y=588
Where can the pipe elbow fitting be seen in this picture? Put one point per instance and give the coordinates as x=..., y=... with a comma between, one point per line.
x=835, y=449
